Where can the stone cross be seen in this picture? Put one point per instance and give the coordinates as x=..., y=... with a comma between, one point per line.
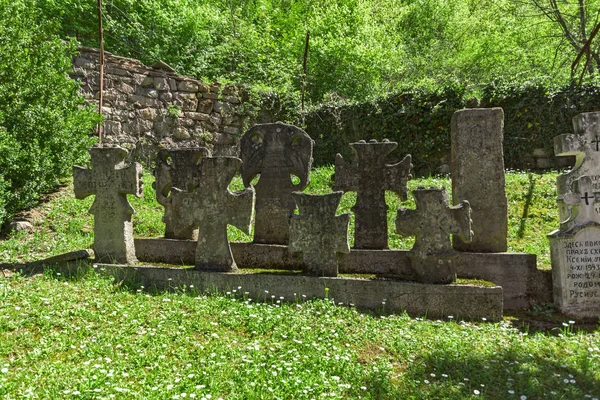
x=318, y=233
x=275, y=152
x=583, y=144
x=182, y=169
x=582, y=203
x=110, y=179
x=432, y=222
x=370, y=177
x=212, y=206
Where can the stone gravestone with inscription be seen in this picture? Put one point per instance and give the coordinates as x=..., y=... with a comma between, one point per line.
x=370, y=176
x=318, y=233
x=575, y=253
x=110, y=179
x=212, y=206
x=275, y=152
x=182, y=169
x=478, y=176
x=432, y=256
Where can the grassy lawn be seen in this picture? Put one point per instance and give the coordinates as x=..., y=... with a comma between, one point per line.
x=84, y=336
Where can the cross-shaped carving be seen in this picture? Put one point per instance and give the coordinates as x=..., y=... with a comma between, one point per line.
x=369, y=176
x=584, y=145
x=182, y=169
x=110, y=179
x=275, y=152
x=432, y=222
x=582, y=203
x=318, y=233
x=212, y=206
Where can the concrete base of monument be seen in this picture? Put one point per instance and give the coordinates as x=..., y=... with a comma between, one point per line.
x=523, y=284
x=418, y=300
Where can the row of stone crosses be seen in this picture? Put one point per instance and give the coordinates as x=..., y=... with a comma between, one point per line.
x=193, y=188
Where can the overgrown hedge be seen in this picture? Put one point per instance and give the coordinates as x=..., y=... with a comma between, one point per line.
x=44, y=129
x=419, y=121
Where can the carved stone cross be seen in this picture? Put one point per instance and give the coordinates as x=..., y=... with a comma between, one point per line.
x=110, y=179
x=182, y=169
x=582, y=202
x=318, y=233
x=212, y=206
x=370, y=177
x=275, y=152
x=583, y=144
x=432, y=222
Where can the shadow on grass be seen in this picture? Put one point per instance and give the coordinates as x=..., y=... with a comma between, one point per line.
x=528, y=197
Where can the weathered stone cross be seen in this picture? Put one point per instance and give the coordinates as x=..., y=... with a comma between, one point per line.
x=318, y=233
x=582, y=202
x=275, y=152
x=212, y=206
x=432, y=222
x=370, y=177
x=587, y=158
x=182, y=169
x=110, y=180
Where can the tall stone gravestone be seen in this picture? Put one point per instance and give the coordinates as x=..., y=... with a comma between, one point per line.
x=575, y=246
x=182, y=169
x=432, y=256
x=478, y=176
x=370, y=176
x=110, y=179
x=212, y=206
x=275, y=152
x=318, y=233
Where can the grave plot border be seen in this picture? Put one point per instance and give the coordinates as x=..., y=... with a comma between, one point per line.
x=522, y=283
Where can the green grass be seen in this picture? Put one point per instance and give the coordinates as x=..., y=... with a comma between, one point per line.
x=85, y=336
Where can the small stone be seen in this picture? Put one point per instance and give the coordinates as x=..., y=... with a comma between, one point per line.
x=20, y=226
x=181, y=133
x=231, y=130
x=187, y=101
x=212, y=96
x=161, y=83
x=147, y=81
x=188, y=86
x=148, y=113
x=197, y=116
x=205, y=106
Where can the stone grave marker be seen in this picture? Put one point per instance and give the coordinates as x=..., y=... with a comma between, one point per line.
x=432, y=222
x=369, y=176
x=478, y=177
x=275, y=152
x=212, y=206
x=318, y=233
x=575, y=254
x=182, y=169
x=584, y=144
x=110, y=180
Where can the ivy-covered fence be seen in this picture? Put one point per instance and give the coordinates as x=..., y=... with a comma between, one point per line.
x=419, y=121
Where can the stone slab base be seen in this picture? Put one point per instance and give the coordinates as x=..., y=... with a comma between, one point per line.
x=419, y=300
x=517, y=273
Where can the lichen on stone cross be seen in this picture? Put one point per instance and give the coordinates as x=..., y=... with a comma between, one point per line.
x=432, y=222
x=369, y=176
x=318, y=233
x=177, y=168
x=275, y=152
x=584, y=144
x=212, y=206
x=110, y=179
x=582, y=203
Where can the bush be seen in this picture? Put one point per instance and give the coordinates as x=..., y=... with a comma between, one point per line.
x=44, y=128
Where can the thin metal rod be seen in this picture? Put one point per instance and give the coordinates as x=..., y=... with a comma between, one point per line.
x=101, y=39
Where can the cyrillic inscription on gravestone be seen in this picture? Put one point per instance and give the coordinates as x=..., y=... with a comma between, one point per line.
x=318, y=233
x=110, y=179
x=182, y=169
x=369, y=176
x=584, y=144
x=275, y=152
x=212, y=206
x=432, y=222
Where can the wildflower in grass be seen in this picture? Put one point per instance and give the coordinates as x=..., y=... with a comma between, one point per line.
x=511, y=392
x=523, y=397
x=4, y=370
x=476, y=392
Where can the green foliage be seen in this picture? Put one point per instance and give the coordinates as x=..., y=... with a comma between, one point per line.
x=43, y=129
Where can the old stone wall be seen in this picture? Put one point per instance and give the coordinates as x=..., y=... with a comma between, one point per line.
x=150, y=107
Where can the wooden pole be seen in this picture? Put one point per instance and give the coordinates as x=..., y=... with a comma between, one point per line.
x=101, y=39
x=304, y=68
